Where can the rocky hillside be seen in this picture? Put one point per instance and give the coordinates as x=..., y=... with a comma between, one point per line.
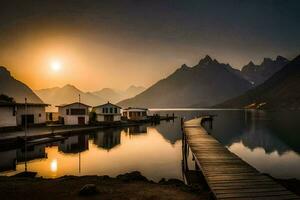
x=257, y=74
x=281, y=91
x=16, y=89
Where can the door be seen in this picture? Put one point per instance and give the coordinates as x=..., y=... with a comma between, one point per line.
x=81, y=120
x=30, y=119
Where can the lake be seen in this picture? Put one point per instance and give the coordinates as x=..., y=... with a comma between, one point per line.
x=269, y=141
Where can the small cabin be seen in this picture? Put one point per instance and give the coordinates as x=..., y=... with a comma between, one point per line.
x=16, y=114
x=74, y=114
x=107, y=113
x=35, y=114
x=135, y=113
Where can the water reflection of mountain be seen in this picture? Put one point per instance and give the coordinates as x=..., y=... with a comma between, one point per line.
x=108, y=138
x=171, y=130
x=261, y=137
x=254, y=129
x=272, y=131
x=136, y=130
x=228, y=126
x=74, y=144
x=285, y=125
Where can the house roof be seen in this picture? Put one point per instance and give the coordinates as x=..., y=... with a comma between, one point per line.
x=134, y=108
x=108, y=103
x=64, y=105
x=21, y=104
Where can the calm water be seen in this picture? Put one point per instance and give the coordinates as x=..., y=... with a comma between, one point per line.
x=268, y=141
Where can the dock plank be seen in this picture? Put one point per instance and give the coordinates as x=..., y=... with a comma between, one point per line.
x=228, y=176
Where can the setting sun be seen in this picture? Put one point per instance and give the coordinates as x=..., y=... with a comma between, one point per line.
x=55, y=65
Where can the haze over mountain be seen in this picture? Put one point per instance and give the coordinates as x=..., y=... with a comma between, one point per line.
x=16, y=89
x=115, y=96
x=258, y=74
x=69, y=93
x=281, y=91
x=205, y=84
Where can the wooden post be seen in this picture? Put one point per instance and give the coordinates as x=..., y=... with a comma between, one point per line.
x=25, y=135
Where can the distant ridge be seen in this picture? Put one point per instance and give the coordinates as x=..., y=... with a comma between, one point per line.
x=257, y=74
x=115, y=96
x=16, y=89
x=68, y=94
x=205, y=84
x=281, y=91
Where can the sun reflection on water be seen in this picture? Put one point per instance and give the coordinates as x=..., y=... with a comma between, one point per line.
x=53, y=165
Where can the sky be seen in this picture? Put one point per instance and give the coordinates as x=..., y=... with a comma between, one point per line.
x=117, y=43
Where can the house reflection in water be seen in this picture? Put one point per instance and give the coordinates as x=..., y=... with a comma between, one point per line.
x=74, y=144
x=136, y=130
x=33, y=152
x=8, y=160
x=108, y=139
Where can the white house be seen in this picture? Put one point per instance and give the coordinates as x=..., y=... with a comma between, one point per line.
x=8, y=115
x=135, y=113
x=14, y=114
x=74, y=114
x=36, y=113
x=107, y=112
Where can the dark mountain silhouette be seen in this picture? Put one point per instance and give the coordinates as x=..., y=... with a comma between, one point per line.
x=16, y=89
x=115, y=96
x=281, y=91
x=68, y=94
x=257, y=74
x=205, y=84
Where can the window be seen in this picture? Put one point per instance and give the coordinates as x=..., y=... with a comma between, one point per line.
x=138, y=114
x=116, y=110
x=106, y=110
x=14, y=111
x=40, y=114
x=67, y=111
x=78, y=111
x=103, y=110
x=130, y=114
x=111, y=110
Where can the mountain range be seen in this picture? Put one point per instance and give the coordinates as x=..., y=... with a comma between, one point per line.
x=205, y=84
x=69, y=93
x=13, y=88
x=115, y=96
x=257, y=74
x=281, y=91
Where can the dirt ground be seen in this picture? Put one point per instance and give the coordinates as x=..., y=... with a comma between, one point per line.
x=131, y=186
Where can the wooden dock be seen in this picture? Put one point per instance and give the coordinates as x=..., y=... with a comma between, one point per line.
x=227, y=175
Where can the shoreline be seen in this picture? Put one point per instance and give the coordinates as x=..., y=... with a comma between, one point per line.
x=131, y=185
x=8, y=142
